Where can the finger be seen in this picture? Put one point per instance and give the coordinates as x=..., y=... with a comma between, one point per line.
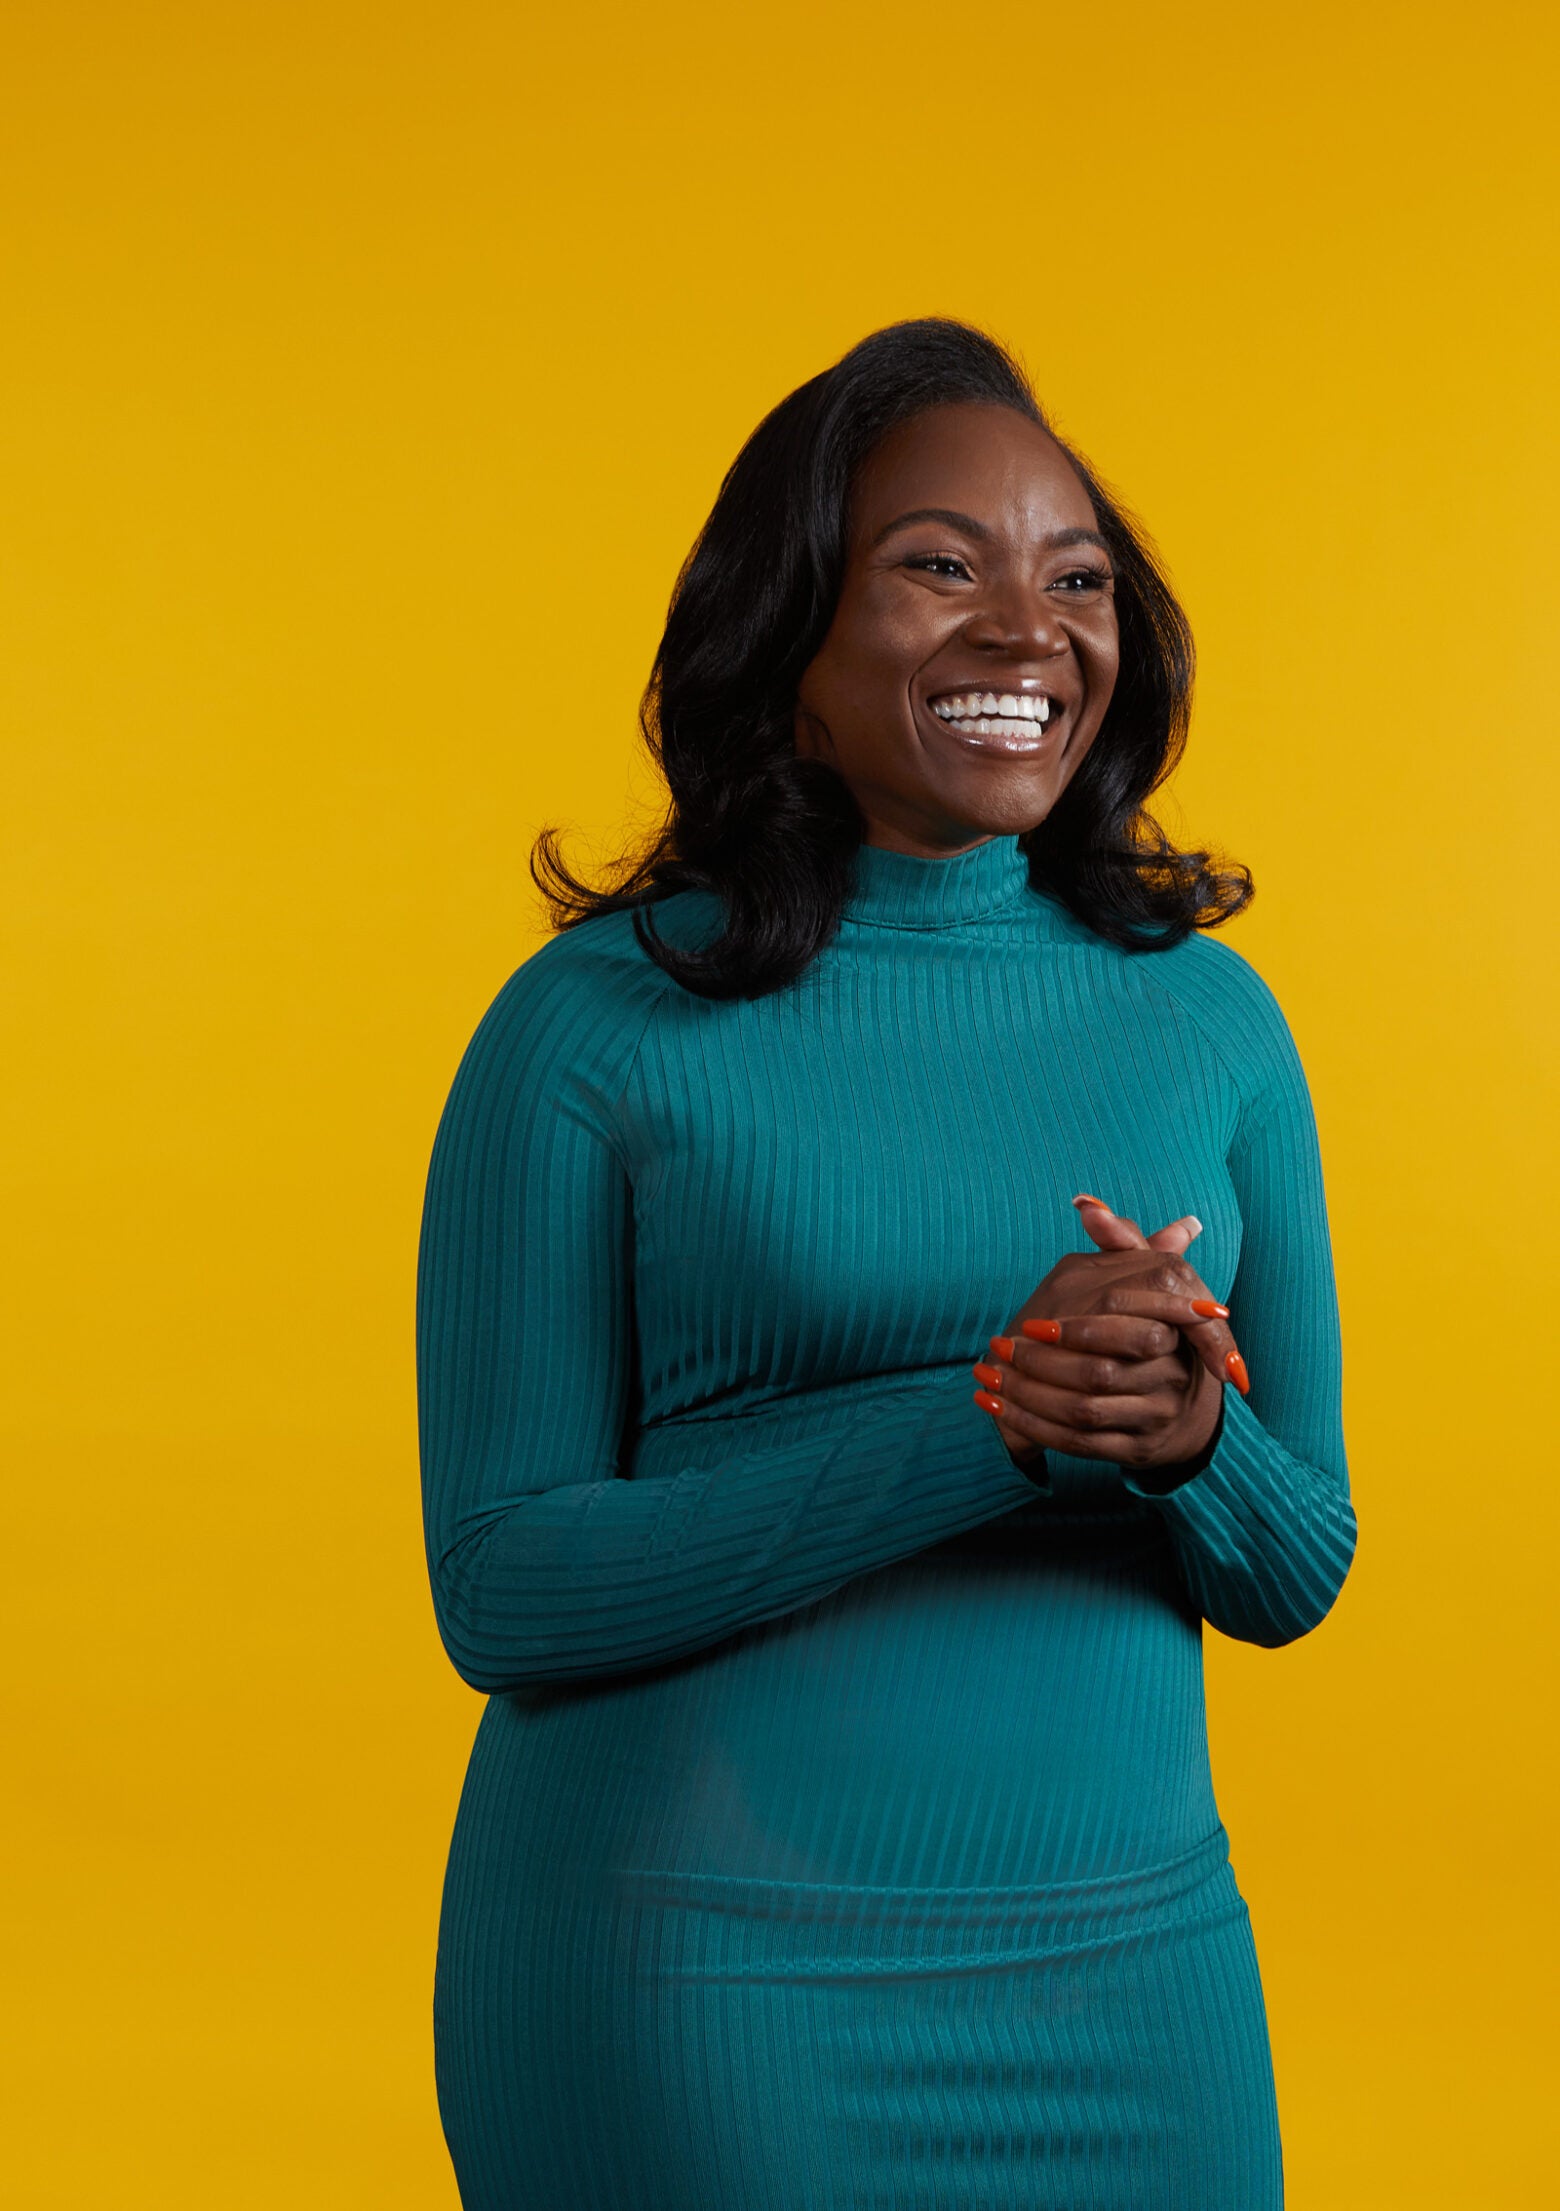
x=1177, y=1235
x=1115, y=1335
x=1107, y=1229
x=1203, y=1322
x=1130, y=1413
x=1093, y=1373
x=1023, y=1431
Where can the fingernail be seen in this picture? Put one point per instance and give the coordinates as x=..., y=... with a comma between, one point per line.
x=991, y=1376
x=1235, y=1368
x=988, y=1403
x=1193, y=1223
x=1083, y=1198
x=1003, y=1347
x=1205, y=1308
x=1043, y=1331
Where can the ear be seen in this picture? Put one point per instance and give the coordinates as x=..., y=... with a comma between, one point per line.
x=813, y=741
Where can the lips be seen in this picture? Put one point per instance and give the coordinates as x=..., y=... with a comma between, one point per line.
x=998, y=721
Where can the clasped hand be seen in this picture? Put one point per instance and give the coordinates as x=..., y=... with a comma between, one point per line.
x=1121, y=1354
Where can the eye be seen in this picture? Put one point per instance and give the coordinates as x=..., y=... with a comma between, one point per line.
x=1079, y=580
x=940, y=564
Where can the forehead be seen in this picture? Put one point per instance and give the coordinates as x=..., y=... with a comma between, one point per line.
x=990, y=462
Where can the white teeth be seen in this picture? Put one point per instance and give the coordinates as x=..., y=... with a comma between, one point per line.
x=1011, y=726
x=1011, y=706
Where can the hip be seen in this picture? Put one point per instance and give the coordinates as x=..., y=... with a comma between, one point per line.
x=644, y=2042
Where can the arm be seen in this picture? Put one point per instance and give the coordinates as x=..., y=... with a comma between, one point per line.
x=1264, y=1531
x=545, y=1564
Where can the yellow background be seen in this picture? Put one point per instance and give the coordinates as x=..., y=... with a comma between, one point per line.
x=367, y=374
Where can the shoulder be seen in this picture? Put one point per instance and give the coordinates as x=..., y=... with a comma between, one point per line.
x=601, y=960
x=1204, y=978
x=573, y=1014
x=1213, y=986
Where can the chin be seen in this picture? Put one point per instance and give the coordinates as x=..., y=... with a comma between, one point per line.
x=1009, y=813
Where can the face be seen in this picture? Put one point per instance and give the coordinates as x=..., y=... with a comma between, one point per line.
x=974, y=648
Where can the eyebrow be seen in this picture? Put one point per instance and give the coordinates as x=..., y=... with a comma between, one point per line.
x=978, y=530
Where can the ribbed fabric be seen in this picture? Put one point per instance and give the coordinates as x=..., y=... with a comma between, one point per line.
x=839, y=1830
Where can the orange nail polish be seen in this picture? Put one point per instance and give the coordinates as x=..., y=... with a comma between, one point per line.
x=1003, y=1347
x=991, y=1376
x=988, y=1403
x=1208, y=1310
x=1083, y=1198
x=1043, y=1331
x=1235, y=1368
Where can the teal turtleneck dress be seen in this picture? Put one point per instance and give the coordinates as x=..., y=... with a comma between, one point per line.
x=839, y=1831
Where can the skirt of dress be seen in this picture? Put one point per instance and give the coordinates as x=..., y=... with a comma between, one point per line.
x=639, y=2041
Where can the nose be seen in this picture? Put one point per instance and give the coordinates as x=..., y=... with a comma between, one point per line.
x=1018, y=620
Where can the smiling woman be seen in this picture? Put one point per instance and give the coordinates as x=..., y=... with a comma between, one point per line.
x=940, y=603
x=839, y=1831
x=912, y=500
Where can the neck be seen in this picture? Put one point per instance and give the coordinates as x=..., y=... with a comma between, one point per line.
x=883, y=837
x=896, y=889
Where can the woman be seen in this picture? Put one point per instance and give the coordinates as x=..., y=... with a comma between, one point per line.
x=839, y=1829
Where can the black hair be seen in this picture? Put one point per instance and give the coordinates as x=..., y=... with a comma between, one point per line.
x=773, y=834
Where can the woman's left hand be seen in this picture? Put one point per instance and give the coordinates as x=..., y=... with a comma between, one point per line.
x=1118, y=1383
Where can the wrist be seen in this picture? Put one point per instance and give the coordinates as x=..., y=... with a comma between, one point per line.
x=1030, y=1461
x=1158, y=1480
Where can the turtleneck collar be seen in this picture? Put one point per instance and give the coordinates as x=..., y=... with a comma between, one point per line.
x=899, y=890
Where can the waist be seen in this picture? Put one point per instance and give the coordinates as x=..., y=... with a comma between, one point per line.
x=950, y=1721
x=781, y=1928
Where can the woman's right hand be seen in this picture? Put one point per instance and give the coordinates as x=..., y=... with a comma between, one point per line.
x=1120, y=1354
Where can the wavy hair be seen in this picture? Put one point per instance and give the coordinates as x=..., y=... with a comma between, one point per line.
x=772, y=834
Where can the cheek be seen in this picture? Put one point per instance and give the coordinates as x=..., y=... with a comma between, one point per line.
x=870, y=660
x=1100, y=652
x=891, y=639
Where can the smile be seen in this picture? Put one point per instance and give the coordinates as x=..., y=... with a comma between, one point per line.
x=1006, y=721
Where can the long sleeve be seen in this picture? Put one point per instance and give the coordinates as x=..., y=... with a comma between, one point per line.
x=1265, y=1532
x=546, y=1563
